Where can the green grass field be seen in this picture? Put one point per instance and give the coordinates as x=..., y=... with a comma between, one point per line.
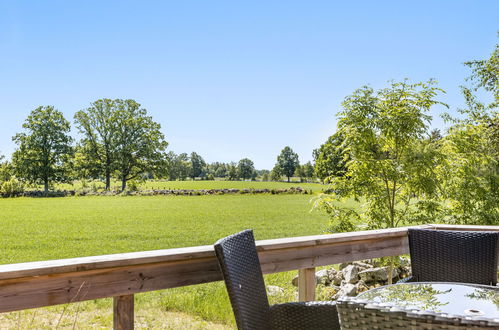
x=52, y=228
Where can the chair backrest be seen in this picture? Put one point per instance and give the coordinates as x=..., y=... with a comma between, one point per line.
x=454, y=256
x=243, y=278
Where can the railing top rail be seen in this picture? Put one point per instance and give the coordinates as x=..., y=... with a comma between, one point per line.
x=39, y=268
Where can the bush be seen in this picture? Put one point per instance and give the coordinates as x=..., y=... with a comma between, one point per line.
x=12, y=187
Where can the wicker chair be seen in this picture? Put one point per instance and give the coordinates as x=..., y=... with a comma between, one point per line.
x=453, y=256
x=243, y=278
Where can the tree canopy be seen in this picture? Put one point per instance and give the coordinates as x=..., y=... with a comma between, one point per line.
x=44, y=147
x=390, y=166
x=287, y=162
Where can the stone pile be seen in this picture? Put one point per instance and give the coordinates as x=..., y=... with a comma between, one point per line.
x=156, y=192
x=356, y=277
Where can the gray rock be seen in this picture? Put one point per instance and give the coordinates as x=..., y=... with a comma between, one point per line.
x=379, y=274
x=350, y=273
x=350, y=290
x=343, y=265
x=322, y=277
x=338, y=277
x=362, y=265
x=274, y=290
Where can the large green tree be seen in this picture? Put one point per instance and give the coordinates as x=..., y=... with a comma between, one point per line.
x=391, y=163
x=330, y=158
x=138, y=143
x=245, y=168
x=470, y=175
x=197, y=165
x=98, y=125
x=44, y=147
x=287, y=162
x=179, y=166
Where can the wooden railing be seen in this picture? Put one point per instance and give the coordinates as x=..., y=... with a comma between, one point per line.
x=47, y=283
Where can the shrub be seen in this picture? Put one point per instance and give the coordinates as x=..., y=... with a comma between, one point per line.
x=12, y=187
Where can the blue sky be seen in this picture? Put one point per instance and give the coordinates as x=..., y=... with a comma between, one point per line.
x=232, y=79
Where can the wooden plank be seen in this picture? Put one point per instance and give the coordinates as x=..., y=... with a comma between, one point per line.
x=123, y=312
x=306, y=284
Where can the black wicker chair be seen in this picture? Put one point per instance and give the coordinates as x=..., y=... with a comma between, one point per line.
x=453, y=256
x=243, y=278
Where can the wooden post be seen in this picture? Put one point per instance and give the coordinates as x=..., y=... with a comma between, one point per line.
x=123, y=312
x=306, y=284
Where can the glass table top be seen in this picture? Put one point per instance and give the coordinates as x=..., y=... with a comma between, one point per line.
x=450, y=298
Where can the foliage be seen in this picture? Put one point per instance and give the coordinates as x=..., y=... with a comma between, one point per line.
x=391, y=166
x=287, y=162
x=98, y=125
x=197, y=165
x=179, y=166
x=6, y=170
x=232, y=173
x=245, y=168
x=470, y=174
x=275, y=174
x=330, y=158
x=138, y=142
x=11, y=187
x=44, y=148
x=119, y=138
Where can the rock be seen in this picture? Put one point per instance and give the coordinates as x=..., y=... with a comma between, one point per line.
x=338, y=277
x=346, y=290
x=350, y=273
x=274, y=290
x=322, y=277
x=379, y=274
x=362, y=265
x=361, y=286
x=349, y=290
x=343, y=265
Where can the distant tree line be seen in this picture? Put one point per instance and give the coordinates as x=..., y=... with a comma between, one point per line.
x=119, y=141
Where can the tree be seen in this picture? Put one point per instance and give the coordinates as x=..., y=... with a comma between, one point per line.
x=287, y=162
x=138, y=142
x=245, y=168
x=179, y=166
x=470, y=175
x=275, y=174
x=43, y=148
x=197, y=165
x=308, y=169
x=330, y=158
x=232, y=173
x=392, y=167
x=98, y=125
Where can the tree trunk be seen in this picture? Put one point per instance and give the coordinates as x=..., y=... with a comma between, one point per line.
x=46, y=186
x=288, y=178
x=123, y=184
x=108, y=179
x=390, y=270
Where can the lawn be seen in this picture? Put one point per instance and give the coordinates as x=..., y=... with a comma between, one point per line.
x=53, y=228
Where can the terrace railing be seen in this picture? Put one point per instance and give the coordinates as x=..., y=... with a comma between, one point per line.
x=47, y=283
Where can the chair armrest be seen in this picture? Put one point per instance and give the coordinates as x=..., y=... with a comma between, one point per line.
x=305, y=315
x=407, y=279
